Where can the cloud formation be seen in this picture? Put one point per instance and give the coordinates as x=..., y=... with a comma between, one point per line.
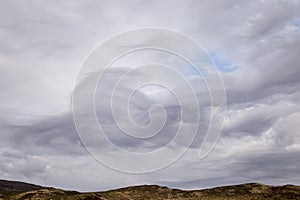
x=43, y=45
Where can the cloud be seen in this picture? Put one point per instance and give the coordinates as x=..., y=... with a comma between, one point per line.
x=43, y=45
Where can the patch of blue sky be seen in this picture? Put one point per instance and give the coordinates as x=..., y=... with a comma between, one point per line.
x=296, y=22
x=194, y=71
x=223, y=65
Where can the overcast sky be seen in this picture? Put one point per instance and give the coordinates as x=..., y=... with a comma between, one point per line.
x=255, y=45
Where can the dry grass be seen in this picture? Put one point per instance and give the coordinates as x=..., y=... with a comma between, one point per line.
x=244, y=192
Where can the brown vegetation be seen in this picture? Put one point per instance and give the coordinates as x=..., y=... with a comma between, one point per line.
x=245, y=192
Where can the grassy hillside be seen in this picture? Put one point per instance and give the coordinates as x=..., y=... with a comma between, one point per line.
x=244, y=192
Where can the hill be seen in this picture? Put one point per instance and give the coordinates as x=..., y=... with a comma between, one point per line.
x=16, y=186
x=249, y=191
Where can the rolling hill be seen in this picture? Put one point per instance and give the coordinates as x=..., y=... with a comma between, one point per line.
x=13, y=190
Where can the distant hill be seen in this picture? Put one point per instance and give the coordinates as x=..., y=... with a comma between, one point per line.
x=16, y=186
x=249, y=191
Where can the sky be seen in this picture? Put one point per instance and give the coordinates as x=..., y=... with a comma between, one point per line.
x=254, y=44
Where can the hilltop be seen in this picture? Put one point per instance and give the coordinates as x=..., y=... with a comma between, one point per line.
x=22, y=191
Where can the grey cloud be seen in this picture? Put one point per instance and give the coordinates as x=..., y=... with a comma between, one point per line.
x=44, y=43
x=247, y=167
x=48, y=136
